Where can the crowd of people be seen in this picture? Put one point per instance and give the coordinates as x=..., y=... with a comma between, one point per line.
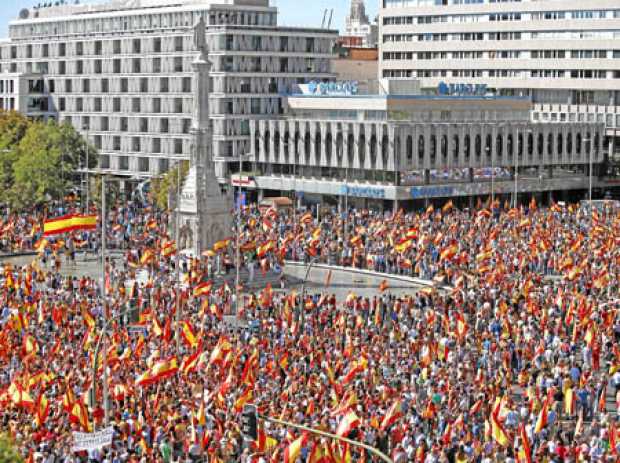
x=512, y=355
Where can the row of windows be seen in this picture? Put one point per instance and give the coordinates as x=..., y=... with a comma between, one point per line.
x=134, y=124
x=414, y=3
x=503, y=54
x=510, y=145
x=139, y=144
x=503, y=73
x=160, y=164
x=142, y=22
x=505, y=16
x=153, y=105
x=143, y=85
x=479, y=36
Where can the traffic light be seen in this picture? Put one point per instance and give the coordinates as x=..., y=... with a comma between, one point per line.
x=249, y=423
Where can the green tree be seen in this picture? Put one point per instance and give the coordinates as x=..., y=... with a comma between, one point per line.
x=8, y=452
x=167, y=184
x=13, y=126
x=46, y=161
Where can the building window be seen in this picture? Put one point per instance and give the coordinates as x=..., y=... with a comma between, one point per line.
x=137, y=48
x=62, y=50
x=116, y=105
x=156, y=145
x=178, y=146
x=157, y=105
x=104, y=161
x=163, y=126
x=79, y=48
x=187, y=125
x=62, y=105
x=123, y=163
x=178, y=64
x=135, y=105
x=116, y=64
x=98, y=141
x=124, y=85
x=144, y=124
x=187, y=84
x=79, y=67
x=98, y=47
x=45, y=52
x=178, y=105
x=135, y=144
x=156, y=65
x=116, y=143
x=178, y=44
x=68, y=86
x=144, y=85
x=124, y=124
x=163, y=85
x=105, y=85
x=136, y=67
x=98, y=66
x=144, y=164
x=116, y=47
x=164, y=165
x=157, y=45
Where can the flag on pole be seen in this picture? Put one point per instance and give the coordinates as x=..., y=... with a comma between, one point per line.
x=69, y=223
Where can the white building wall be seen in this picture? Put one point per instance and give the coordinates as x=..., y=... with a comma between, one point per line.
x=124, y=78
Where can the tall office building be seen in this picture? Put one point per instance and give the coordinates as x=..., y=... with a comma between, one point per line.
x=121, y=73
x=564, y=54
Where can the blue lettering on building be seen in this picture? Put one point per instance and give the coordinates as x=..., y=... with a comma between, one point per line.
x=445, y=89
x=344, y=88
x=431, y=192
x=362, y=192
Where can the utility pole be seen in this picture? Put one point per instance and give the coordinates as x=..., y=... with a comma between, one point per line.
x=177, y=330
x=238, y=241
x=104, y=302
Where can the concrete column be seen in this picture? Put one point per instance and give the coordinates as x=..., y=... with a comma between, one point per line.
x=357, y=129
x=322, y=161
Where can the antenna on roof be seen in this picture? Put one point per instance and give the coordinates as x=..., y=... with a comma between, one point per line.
x=331, y=14
x=324, y=17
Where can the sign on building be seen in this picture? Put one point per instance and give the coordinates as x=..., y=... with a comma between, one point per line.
x=341, y=88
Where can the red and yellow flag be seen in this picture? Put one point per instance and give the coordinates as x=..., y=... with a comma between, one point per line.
x=69, y=223
x=293, y=450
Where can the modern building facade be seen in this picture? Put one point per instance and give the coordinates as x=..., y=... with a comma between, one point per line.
x=120, y=72
x=563, y=54
x=402, y=148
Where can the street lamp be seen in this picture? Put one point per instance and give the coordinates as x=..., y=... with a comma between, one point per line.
x=85, y=128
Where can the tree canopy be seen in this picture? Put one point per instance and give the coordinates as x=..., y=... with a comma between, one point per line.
x=38, y=160
x=162, y=187
x=8, y=452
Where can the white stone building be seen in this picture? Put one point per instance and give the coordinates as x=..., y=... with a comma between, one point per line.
x=120, y=72
x=402, y=148
x=564, y=54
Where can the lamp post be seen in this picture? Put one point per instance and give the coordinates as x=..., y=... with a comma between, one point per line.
x=177, y=333
x=238, y=241
x=85, y=128
x=301, y=310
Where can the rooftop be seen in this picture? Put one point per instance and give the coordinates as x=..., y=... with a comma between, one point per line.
x=42, y=11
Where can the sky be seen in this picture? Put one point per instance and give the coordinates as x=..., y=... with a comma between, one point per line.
x=307, y=13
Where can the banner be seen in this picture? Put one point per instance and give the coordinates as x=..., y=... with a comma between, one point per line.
x=92, y=441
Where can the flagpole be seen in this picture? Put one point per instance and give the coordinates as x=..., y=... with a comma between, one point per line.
x=178, y=262
x=103, y=299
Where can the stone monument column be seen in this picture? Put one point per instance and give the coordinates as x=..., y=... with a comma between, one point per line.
x=204, y=212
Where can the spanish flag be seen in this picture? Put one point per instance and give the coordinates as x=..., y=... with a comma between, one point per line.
x=294, y=449
x=349, y=422
x=161, y=370
x=541, y=422
x=79, y=415
x=392, y=415
x=188, y=334
x=69, y=223
x=203, y=289
x=525, y=452
x=42, y=410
